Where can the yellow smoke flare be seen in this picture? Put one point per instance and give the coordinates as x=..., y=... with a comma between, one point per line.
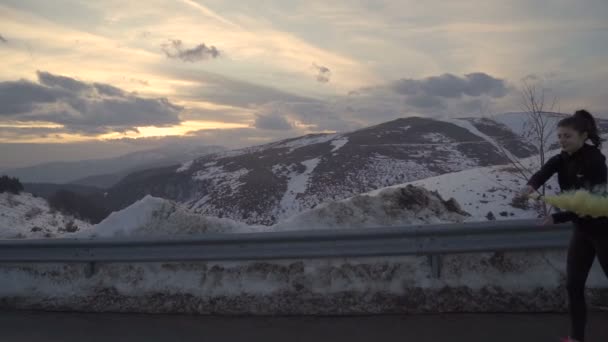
x=580, y=202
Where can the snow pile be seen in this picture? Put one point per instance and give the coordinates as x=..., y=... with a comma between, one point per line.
x=25, y=216
x=153, y=216
x=405, y=205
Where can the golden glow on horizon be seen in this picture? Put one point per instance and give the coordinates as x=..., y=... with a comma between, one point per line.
x=144, y=132
x=29, y=124
x=59, y=138
x=182, y=129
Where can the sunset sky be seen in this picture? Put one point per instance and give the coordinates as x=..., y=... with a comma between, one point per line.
x=87, y=79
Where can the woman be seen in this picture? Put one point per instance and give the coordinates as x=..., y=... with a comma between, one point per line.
x=578, y=166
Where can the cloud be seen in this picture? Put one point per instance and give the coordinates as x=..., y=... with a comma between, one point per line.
x=448, y=94
x=272, y=122
x=17, y=133
x=21, y=96
x=2, y=39
x=424, y=101
x=223, y=90
x=318, y=116
x=66, y=83
x=106, y=89
x=451, y=86
x=82, y=107
x=201, y=52
x=323, y=75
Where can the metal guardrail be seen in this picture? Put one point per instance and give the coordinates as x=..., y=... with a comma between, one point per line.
x=430, y=240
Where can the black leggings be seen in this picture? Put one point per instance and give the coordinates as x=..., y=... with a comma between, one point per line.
x=581, y=254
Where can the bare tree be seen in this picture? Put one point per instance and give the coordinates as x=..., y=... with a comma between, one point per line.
x=538, y=129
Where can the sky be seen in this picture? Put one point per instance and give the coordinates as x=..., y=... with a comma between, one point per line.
x=85, y=79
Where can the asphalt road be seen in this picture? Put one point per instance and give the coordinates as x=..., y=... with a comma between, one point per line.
x=26, y=326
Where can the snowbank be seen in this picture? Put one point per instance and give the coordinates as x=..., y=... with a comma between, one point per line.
x=391, y=207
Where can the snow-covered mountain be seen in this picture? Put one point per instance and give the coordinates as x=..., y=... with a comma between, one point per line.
x=25, y=216
x=473, y=195
x=272, y=183
x=269, y=183
x=104, y=173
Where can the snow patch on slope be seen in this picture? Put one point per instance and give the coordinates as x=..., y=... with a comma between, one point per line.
x=297, y=184
x=338, y=143
x=25, y=216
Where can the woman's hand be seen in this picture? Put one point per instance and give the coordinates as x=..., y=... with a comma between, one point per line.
x=523, y=193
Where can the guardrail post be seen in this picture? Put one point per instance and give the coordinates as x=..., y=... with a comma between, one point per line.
x=435, y=262
x=90, y=269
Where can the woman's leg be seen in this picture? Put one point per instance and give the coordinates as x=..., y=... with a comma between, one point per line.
x=581, y=254
x=601, y=249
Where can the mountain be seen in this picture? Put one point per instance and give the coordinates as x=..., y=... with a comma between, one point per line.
x=104, y=173
x=473, y=195
x=46, y=190
x=268, y=183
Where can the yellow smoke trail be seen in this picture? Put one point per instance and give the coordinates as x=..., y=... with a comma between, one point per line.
x=580, y=202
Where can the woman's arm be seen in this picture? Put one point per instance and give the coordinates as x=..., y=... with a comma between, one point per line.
x=597, y=174
x=545, y=172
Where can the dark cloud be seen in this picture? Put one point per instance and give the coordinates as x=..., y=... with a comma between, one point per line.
x=2, y=39
x=22, y=96
x=175, y=49
x=63, y=82
x=451, y=86
x=323, y=73
x=272, y=122
x=447, y=92
x=106, y=89
x=484, y=84
x=81, y=107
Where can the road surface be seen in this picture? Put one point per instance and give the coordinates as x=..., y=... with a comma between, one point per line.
x=26, y=326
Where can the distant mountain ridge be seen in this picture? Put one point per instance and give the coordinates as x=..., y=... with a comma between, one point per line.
x=104, y=173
